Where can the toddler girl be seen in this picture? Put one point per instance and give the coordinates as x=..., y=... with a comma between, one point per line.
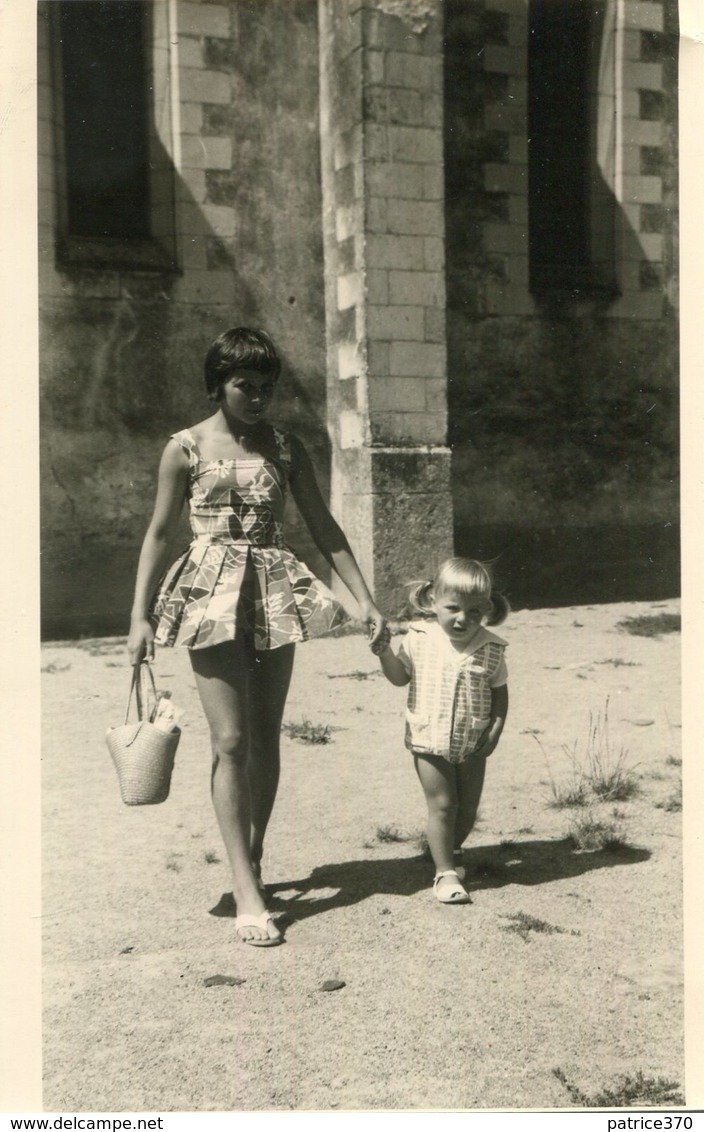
x=239, y=599
x=457, y=703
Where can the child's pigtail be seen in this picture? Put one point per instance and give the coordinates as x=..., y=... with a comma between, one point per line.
x=501, y=608
x=419, y=598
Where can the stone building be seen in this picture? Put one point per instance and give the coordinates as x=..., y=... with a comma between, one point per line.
x=457, y=219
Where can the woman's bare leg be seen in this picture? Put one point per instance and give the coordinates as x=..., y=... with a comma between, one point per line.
x=222, y=679
x=269, y=680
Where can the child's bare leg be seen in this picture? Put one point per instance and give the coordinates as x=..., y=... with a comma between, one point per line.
x=221, y=679
x=438, y=779
x=470, y=782
x=269, y=680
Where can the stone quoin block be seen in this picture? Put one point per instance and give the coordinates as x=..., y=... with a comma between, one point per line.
x=394, y=322
x=415, y=359
x=203, y=19
x=206, y=153
x=417, y=288
x=204, y=86
x=402, y=252
x=402, y=181
x=415, y=218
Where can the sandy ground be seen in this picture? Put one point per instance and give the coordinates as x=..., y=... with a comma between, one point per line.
x=447, y=1008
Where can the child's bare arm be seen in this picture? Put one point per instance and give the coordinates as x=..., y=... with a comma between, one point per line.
x=392, y=668
x=499, y=711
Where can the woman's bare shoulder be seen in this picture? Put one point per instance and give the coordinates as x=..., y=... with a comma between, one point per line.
x=203, y=430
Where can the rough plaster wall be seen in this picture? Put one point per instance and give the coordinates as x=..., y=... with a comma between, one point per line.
x=121, y=354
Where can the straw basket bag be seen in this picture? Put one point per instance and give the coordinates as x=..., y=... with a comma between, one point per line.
x=143, y=753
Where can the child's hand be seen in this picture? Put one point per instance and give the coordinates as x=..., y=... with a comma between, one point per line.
x=487, y=747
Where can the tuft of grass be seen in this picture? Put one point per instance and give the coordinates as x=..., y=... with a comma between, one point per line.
x=358, y=674
x=651, y=624
x=673, y=760
x=673, y=803
x=600, y=772
x=390, y=834
x=307, y=732
x=52, y=667
x=211, y=858
x=523, y=924
x=630, y=1092
x=592, y=834
x=618, y=663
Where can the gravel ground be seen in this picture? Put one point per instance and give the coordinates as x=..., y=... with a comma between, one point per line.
x=569, y=959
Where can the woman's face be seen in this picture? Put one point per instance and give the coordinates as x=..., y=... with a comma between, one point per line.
x=246, y=395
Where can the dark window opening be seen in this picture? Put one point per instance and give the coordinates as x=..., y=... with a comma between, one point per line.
x=106, y=124
x=571, y=203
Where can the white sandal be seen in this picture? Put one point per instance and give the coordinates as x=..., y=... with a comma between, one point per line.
x=261, y=922
x=455, y=893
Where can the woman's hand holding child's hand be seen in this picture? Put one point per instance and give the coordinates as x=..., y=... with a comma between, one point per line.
x=377, y=629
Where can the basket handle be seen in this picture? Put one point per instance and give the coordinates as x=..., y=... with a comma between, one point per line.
x=136, y=688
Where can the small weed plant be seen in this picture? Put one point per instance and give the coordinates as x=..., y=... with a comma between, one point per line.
x=651, y=625
x=358, y=674
x=590, y=833
x=392, y=835
x=673, y=803
x=523, y=924
x=638, y=1091
x=307, y=732
x=389, y=834
x=601, y=771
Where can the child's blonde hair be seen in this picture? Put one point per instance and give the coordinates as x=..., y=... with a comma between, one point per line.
x=465, y=576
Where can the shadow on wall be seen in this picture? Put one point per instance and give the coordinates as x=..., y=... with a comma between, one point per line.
x=558, y=566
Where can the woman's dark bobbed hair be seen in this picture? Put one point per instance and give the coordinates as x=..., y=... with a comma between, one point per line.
x=239, y=348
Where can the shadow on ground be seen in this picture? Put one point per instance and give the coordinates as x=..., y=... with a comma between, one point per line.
x=488, y=867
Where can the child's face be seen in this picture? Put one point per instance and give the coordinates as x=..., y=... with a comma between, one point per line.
x=459, y=614
x=246, y=394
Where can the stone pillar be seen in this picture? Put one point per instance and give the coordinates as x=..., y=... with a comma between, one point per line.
x=381, y=100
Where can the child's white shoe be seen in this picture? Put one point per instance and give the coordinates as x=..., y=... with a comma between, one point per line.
x=449, y=892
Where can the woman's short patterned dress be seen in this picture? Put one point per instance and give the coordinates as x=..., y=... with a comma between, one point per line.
x=238, y=572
